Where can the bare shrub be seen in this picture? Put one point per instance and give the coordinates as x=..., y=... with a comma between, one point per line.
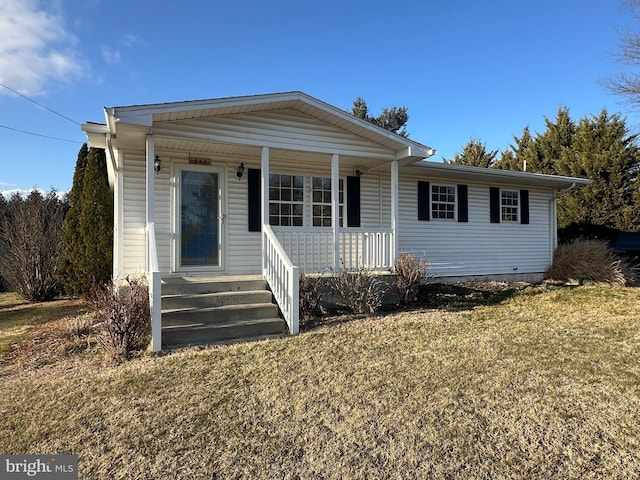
x=80, y=326
x=358, y=290
x=311, y=296
x=123, y=312
x=31, y=244
x=591, y=261
x=411, y=272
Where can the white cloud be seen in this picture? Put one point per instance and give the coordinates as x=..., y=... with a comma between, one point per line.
x=111, y=57
x=35, y=47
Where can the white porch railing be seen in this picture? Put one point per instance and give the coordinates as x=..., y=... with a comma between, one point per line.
x=155, y=286
x=311, y=248
x=283, y=278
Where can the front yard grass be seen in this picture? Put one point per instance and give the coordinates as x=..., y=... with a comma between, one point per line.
x=541, y=386
x=19, y=318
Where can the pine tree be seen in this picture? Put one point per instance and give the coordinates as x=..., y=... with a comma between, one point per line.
x=88, y=236
x=95, y=223
x=72, y=242
x=474, y=154
x=604, y=151
x=393, y=119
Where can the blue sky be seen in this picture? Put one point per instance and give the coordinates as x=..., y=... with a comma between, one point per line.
x=465, y=69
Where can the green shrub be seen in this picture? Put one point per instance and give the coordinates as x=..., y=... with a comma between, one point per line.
x=123, y=313
x=591, y=261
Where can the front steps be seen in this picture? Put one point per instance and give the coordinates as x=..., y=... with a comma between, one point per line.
x=201, y=310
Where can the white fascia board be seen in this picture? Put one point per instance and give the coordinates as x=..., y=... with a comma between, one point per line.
x=96, y=134
x=494, y=174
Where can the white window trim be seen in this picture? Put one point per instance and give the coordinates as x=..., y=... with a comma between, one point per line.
x=289, y=202
x=517, y=206
x=455, y=202
x=341, y=204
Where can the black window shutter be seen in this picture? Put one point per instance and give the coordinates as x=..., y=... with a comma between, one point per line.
x=353, y=201
x=254, y=195
x=524, y=206
x=424, y=208
x=463, y=203
x=494, y=204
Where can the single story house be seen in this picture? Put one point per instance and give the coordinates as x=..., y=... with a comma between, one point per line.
x=245, y=186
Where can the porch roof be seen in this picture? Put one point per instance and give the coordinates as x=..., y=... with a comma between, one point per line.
x=135, y=120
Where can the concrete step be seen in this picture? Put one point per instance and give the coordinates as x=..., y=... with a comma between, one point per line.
x=195, y=285
x=227, y=332
x=217, y=299
x=218, y=315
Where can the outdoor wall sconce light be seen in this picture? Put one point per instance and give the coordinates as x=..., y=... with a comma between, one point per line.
x=156, y=165
x=358, y=172
x=240, y=171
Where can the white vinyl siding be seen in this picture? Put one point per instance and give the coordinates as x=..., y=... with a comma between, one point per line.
x=476, y=247
x=285, y=129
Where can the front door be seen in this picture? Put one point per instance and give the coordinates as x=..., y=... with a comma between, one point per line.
x=200, y=219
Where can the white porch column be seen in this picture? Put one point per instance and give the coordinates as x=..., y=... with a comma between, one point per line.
x=150, y=184
x=335, y=210
x=152, y=270
x=394, y=211
x=264, y=207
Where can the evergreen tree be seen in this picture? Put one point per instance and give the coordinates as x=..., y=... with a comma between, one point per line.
x=552, y=146
x=96, y=221
x=474, y=154
x=604, y=151
x=516, y=157
x=72, y=243
x=393, y=119
x=89, y=231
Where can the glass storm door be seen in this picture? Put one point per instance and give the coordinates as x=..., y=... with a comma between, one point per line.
x=200, y=219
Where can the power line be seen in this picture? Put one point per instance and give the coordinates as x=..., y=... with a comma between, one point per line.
x=39, y=134
x=39, y=104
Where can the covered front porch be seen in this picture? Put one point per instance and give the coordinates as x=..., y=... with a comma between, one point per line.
x=284, y=184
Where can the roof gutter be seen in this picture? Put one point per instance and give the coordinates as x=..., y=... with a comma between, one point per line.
x=560, y=193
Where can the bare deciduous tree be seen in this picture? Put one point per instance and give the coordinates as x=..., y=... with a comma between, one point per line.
x=31, y=244
x=627, y=83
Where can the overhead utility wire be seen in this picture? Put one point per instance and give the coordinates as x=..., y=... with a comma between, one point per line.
x=39, y=134
x=39, y=104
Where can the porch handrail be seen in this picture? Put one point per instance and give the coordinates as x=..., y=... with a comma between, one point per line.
x=359, y=247
x=283, y=278
x=155, y=286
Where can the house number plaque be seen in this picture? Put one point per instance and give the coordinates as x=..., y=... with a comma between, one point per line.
x=199, y=161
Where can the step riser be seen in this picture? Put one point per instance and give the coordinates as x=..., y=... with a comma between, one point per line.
x=211, y=334
x=198, y=311
x=180, y=286
x=203, y=317
x=215, y=299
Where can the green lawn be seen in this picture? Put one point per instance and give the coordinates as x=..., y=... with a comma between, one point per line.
x=540, y=386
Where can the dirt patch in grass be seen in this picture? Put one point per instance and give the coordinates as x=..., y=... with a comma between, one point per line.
x=540, y=386
x=35, y=333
